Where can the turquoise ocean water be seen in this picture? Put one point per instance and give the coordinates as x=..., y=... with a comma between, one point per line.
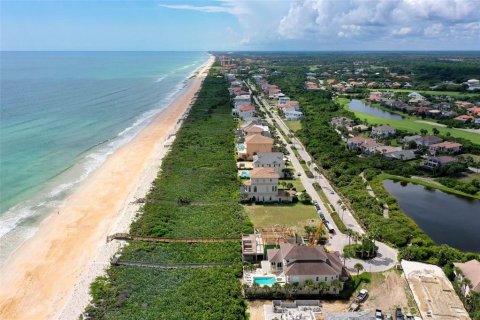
x=63, y=113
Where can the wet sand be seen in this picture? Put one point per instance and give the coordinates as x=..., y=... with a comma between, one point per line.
x=48, y=277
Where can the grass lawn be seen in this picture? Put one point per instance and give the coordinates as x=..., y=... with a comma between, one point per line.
x=297, y=184
x=295, y=216
x=438, y=93
x=411, y=124
x=294, y=125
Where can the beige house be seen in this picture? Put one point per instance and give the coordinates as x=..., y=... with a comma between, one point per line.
x=257, y=143
x=301, y=263
x=263, y=187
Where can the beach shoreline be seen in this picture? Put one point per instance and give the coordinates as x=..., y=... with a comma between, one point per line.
x=50, y=274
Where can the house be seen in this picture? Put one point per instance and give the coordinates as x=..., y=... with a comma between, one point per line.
x=341, y=122
x=423, y=140
x=464, y=104
x=255, y=129
x=433, y=163
x=403, y=155
x=464, y=118
x=301, y=263
x=473, y=84
x=360, y=142
x=474, y=111
x=383, y=131
x=445, y=147
x=263, y=187
x=252, y=247
x=292, y=114
x=241, y=100
x=359, y=128
x=257, y=143
x=416, y=95
x=469, y=270
x=283, y=101
x=246, y=111
x=272, y=160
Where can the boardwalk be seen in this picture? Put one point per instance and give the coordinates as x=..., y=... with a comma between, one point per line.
x=117, y=262
x=126, y=236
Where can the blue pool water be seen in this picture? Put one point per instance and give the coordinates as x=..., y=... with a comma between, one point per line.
x=265, y=281
x=245, y=174
x=241, y=147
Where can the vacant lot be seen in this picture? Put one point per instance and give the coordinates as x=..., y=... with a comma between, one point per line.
x=294, y=125
x=295, y=216
x=387, y=291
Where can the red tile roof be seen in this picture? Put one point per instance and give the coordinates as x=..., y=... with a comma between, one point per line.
x=263, y=173
x=247, y=108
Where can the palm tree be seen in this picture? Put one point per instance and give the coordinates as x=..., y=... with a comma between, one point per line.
x=322, y=287
x=339, y=202
x=309, y=286
x=359, y=267
x=343, y=207
x=337, y=284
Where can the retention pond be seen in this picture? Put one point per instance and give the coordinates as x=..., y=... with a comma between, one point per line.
x=359, y=106
x=444, y=217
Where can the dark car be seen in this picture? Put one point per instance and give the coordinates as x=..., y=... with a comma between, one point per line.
x=399, y=313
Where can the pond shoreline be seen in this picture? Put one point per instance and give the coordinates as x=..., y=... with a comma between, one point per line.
x=430, y=185
x=443, y=217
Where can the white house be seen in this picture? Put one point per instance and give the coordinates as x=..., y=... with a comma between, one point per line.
x=263, y=187
x=301, y=263
x=241, y=100
x=283, y=101
x=246, y=111
x=292, y=114
x=383, y=131
x=272, y=160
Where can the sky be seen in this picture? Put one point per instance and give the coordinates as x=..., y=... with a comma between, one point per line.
x=240, y=25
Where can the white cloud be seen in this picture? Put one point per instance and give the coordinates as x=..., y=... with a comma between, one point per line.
x=369, y=23
x=366, y=19
x=402, y=31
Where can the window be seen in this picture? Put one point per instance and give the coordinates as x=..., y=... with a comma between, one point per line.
x=273, y=188
x=326, y=278
x=255, y=189
x=317, y=279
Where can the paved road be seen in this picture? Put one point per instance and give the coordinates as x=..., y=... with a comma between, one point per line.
x=387, y=256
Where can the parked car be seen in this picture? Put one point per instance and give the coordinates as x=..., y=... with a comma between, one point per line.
x=399, y=313
x=378, y=314
x=362, y=295
x=388, y=316
x=322, y=216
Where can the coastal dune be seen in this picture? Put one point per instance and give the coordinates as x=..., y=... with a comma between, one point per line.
x=48, y=277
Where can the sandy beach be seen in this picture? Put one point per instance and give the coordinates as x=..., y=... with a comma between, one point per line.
x=48, y=277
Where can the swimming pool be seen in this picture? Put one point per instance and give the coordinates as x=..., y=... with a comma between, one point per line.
x=245, y=174
x=241, y=147
x=265, y=281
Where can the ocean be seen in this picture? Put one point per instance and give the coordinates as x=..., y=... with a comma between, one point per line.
x=63, y=113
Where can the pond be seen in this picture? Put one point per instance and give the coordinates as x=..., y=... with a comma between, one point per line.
x=359, y=106
x=444, y=217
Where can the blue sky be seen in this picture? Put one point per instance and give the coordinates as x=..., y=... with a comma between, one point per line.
x=241, y=25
